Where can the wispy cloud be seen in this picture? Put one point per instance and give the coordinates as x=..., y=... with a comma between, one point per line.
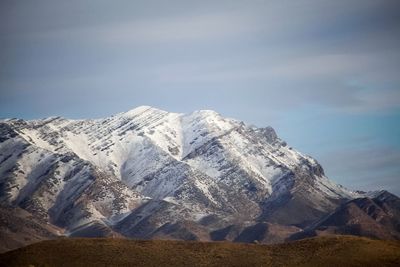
x=365, y=168
x=176, y=29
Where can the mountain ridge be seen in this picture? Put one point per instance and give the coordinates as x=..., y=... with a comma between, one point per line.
x=147, y=172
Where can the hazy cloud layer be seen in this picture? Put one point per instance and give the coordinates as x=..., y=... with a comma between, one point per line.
x=376, y=167
x=318, y=71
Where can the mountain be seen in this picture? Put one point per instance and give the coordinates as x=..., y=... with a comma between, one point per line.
x=19, y=228
x=376, y=216
x=148, y=173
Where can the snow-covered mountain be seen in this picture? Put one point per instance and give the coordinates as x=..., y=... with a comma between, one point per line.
x=149, y=173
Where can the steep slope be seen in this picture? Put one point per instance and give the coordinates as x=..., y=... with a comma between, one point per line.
x=58, y=188
x=19, y=228
x=147, y=173
x=375, y=216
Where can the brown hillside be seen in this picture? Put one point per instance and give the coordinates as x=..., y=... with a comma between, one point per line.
x=322, y=251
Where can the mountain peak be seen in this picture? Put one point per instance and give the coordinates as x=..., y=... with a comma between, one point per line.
x=203, y=114
x=139, y=110
x=205, y=111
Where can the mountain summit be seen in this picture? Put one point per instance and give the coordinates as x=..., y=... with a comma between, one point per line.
x=148, y=173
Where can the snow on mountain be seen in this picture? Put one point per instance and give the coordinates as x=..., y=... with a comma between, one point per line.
x=139, y=170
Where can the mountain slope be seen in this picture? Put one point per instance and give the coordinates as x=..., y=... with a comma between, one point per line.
x=148, y=173
x=376, y=216
x=19, y=228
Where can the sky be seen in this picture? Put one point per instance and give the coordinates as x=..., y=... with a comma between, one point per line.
x=324, y=74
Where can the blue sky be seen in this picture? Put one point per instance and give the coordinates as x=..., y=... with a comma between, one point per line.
x=324, y=74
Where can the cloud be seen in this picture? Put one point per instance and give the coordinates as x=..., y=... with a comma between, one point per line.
x=177, y=29
x=366, y=168
x=376, y=101
x=143, y=31
x=339, y=82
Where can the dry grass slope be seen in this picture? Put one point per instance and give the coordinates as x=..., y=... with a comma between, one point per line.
x=321, y=251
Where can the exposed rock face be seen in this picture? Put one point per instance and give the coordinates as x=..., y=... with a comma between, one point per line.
x=376, y=216
x=147, y=173
x=18, y=228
